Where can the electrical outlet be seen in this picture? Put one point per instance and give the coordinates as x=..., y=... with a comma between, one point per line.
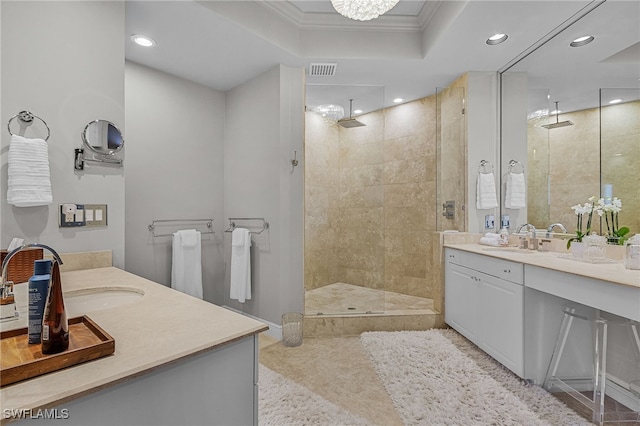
x=504, y=221
x=489, y=222
x=71, y=215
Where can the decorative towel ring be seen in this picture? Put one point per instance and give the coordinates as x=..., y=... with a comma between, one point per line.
x=483, y=165
x=513, y=165
x=27, y=118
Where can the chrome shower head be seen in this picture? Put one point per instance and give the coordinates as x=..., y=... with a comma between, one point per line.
x=557, y=124
x=350, y=122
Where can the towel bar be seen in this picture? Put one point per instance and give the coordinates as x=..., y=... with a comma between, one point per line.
x=152, y=226
x=232, y=224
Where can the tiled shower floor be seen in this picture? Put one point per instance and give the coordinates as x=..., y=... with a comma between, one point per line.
x=345, y=299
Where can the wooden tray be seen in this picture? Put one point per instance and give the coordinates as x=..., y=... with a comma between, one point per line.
x=21, y=361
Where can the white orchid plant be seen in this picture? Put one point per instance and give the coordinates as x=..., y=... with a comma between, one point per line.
x=610, y=212
x=601, y=208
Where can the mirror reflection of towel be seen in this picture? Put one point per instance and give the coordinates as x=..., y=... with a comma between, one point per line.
x=515, y=197
x=240, y=265
x=186, y=269
x=486, y=191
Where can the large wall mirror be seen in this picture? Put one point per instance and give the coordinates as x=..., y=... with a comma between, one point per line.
x=595, y=148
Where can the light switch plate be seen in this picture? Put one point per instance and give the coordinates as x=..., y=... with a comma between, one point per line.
x=96, y=215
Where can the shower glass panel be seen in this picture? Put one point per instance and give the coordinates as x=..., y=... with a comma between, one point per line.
x=451, y=159
x=344, y=200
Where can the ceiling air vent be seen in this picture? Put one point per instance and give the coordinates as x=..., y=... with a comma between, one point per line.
x=322, y=69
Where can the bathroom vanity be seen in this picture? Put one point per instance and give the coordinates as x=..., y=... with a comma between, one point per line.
x=177, y=360
x=509, y=301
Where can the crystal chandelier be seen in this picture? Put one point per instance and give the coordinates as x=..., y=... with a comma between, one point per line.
x=363, y=10
x=330, y=113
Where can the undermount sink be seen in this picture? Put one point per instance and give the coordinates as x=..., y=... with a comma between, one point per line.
x=78, y=302
x=509, y=249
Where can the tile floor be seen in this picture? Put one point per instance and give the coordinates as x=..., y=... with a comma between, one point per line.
x=343, y=298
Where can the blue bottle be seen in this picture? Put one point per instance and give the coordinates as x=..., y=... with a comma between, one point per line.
x=38, y=289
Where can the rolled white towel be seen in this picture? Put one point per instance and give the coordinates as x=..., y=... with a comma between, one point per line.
x=492, y=235
x=489, y=241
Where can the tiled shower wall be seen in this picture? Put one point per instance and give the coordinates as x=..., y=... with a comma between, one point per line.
x=370, y=196
x=565, y=167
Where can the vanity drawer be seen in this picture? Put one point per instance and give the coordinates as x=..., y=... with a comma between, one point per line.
x=505, y=269
x=453, y=256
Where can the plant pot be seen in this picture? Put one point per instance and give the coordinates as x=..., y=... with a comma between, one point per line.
x=577, y=250
x=613, y=241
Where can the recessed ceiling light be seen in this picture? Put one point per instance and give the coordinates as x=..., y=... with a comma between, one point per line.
x=615, y=101
x=143, y=40
x=398, y=100
x=357, y=111
x=581, y=41
x=496, y=39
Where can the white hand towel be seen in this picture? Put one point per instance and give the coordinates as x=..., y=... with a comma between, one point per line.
x=29, y=182
x=186, y=269
x=515, y=197
x=486, y=192
x=240, y=265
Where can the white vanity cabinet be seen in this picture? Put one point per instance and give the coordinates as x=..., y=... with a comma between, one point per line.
x=484, y=301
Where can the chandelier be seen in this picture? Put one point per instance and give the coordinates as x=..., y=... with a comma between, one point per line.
x=330, y=113
x=363, y=10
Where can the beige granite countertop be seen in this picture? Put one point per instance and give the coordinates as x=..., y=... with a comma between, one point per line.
x=164, y=326
x=613, y=272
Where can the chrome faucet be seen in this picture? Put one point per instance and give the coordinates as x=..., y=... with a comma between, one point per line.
x=529, y=227
x=553, y=225
x=533, y=243
x=6, y=287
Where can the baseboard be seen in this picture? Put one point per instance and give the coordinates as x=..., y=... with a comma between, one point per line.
x=275, y=330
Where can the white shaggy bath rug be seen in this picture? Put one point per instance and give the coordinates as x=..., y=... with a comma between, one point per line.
x=437, y=377
x=283, y=402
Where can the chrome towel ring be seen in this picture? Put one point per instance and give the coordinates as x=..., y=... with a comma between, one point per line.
x=26, y=118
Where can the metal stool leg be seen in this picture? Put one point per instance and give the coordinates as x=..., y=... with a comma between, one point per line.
x=567, y=321
x=600, y=370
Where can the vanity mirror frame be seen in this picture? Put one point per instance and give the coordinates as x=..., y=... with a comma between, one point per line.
x=96, y=154
x=514, y=109
x=107, y=150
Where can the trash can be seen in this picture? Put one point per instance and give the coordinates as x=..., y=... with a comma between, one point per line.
x=292, y=329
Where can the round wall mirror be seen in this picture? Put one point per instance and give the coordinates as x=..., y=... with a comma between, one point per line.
x=102, y=137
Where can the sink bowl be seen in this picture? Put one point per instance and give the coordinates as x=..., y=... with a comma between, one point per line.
x=78, y=302
x=510, y=249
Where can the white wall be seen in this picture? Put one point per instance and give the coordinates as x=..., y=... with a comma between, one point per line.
x=64, y=61
x=174, y=171
x=482, y=140
x=514, y=133
x=264, y=125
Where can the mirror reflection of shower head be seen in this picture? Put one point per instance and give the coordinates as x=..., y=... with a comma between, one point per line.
x=350, y=122
x=557, y=124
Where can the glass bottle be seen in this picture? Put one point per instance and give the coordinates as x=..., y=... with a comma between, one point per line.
x=632, y=253
x=55, y=327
